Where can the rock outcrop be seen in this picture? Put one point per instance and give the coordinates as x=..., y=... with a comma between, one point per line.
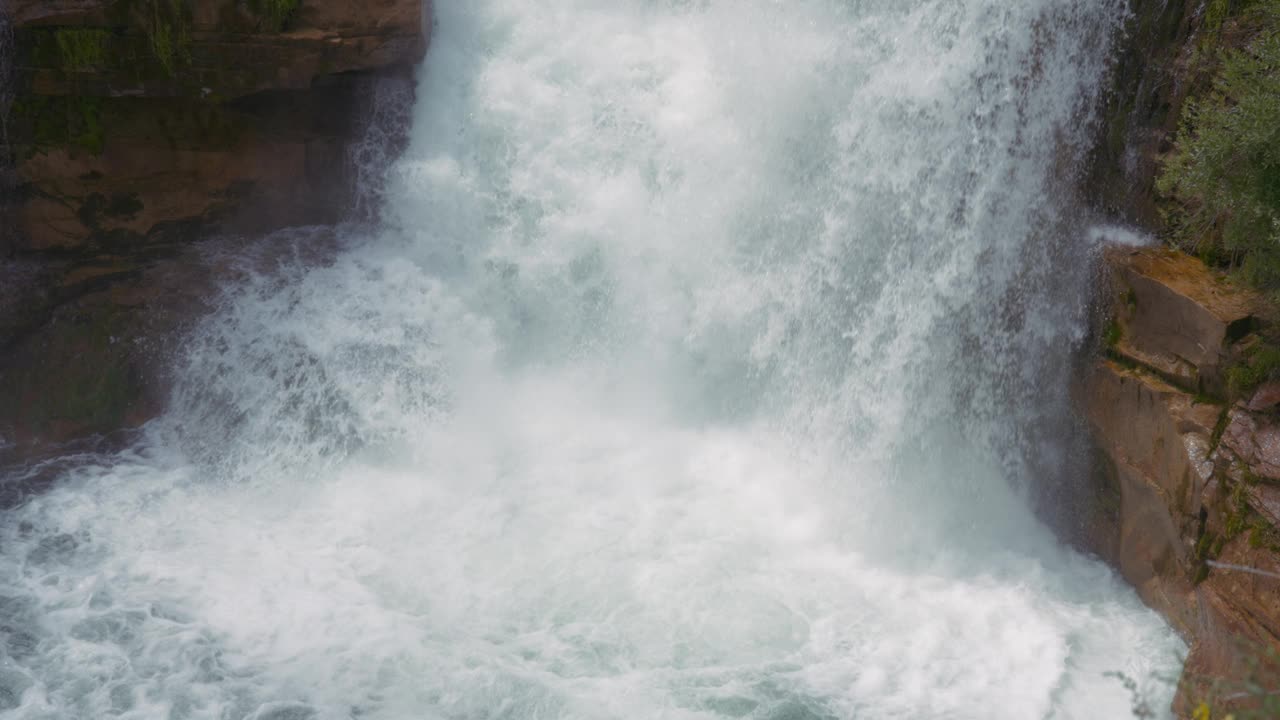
x=137, y=127
x=133, y=114
x=1189, y=503
x=1153, y=74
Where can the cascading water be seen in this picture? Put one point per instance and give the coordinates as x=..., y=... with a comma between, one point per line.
x=694, y=372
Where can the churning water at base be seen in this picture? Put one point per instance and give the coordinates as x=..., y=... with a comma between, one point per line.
x=697, y=371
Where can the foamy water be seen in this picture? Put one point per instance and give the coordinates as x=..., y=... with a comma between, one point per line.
x=698, y=369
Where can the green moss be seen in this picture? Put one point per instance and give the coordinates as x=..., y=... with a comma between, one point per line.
x=88, y=134
x=1263, y=534
x=1238, y=514
x=1235, y=525
x=1262, y=363
x=1220, y=427
x=44, y=123
x=1207, y=547
x=1114, y=334
x=1204, y=545
x=275, y=14
x=1249, y=478
x=81, y=49
x=1201, y=574
x=63, y=121
x=167, y=25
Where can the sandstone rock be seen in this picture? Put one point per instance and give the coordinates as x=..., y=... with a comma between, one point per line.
x=1176, y=370
x=1170, y=323
x=1184, y=503
x=1150, y=426
x=1265, y=398
x=1146, y=427
x=1265, y=499
x=1177, y=317
x=1256, y=441
x=1194, y=529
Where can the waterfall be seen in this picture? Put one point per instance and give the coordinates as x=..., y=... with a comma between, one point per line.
x=699, y=366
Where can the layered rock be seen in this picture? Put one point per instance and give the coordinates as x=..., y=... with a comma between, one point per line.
x=1190, y=495
x=131, y=114
x=140, y=126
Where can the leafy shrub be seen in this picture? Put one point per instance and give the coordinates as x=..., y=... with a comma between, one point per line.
x=1225, y=172
x=1260, y=365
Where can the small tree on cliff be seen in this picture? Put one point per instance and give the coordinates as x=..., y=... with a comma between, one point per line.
x=1225, y=172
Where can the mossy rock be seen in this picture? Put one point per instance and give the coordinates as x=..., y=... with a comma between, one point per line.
x=42, y=122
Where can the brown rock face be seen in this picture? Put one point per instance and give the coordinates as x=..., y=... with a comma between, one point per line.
x=140, y=126
x=1176, y=318
x=1152, y=77
x=1188, y=509
x=129, y=116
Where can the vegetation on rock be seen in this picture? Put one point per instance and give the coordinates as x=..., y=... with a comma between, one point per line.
x=81, y=48
x=62, y=121
x=1225, y=172
x=275, y=14
x=1259, y=364
x=167, y=26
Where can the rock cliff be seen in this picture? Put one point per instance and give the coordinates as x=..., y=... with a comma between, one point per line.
x=135, y=128
x=1187, y=506
x=1186, y=497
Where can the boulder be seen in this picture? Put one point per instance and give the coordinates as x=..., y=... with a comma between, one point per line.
x=1177, y=318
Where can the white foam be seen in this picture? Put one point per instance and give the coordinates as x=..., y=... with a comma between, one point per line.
x=695, y=373
x=1109, y=234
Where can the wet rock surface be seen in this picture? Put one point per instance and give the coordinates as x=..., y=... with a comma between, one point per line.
x=1188, y=500
x=136, y=131
x=125, y=121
